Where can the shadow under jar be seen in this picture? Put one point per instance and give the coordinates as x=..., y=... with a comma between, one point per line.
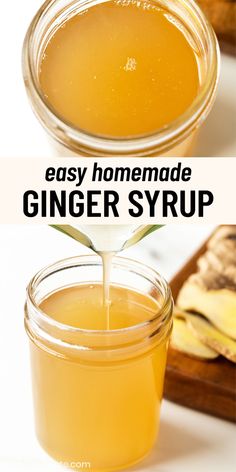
x=121, y=78
x=98, y=392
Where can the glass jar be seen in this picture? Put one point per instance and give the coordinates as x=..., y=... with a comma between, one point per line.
x=97, y=394
x=176, y=139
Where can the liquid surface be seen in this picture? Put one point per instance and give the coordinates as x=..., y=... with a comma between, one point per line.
x=82, y=306
x=120, y=69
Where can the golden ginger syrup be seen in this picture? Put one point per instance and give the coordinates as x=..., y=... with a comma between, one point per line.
x=107, y=266
x=102, y=413
x=82, y=306
x=120, y=69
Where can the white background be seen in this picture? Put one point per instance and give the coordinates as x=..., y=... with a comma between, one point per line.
x=33, y=172
x=189, y=441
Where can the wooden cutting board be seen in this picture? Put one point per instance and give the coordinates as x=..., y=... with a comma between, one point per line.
x=207, y=386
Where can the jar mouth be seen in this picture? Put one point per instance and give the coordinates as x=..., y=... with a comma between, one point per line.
x=85, y=260
x=174, y=132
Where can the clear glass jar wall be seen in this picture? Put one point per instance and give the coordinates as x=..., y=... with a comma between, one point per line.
x=176, y=139
x=97, y=394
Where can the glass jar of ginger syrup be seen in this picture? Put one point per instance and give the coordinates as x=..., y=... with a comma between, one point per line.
x=122, y=77
x=98, y=374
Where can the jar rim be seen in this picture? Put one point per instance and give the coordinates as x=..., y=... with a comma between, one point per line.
x=91, y=259
x=165, y=136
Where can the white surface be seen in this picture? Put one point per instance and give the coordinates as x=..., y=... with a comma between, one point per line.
x=189, y=441
x=23, y=136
